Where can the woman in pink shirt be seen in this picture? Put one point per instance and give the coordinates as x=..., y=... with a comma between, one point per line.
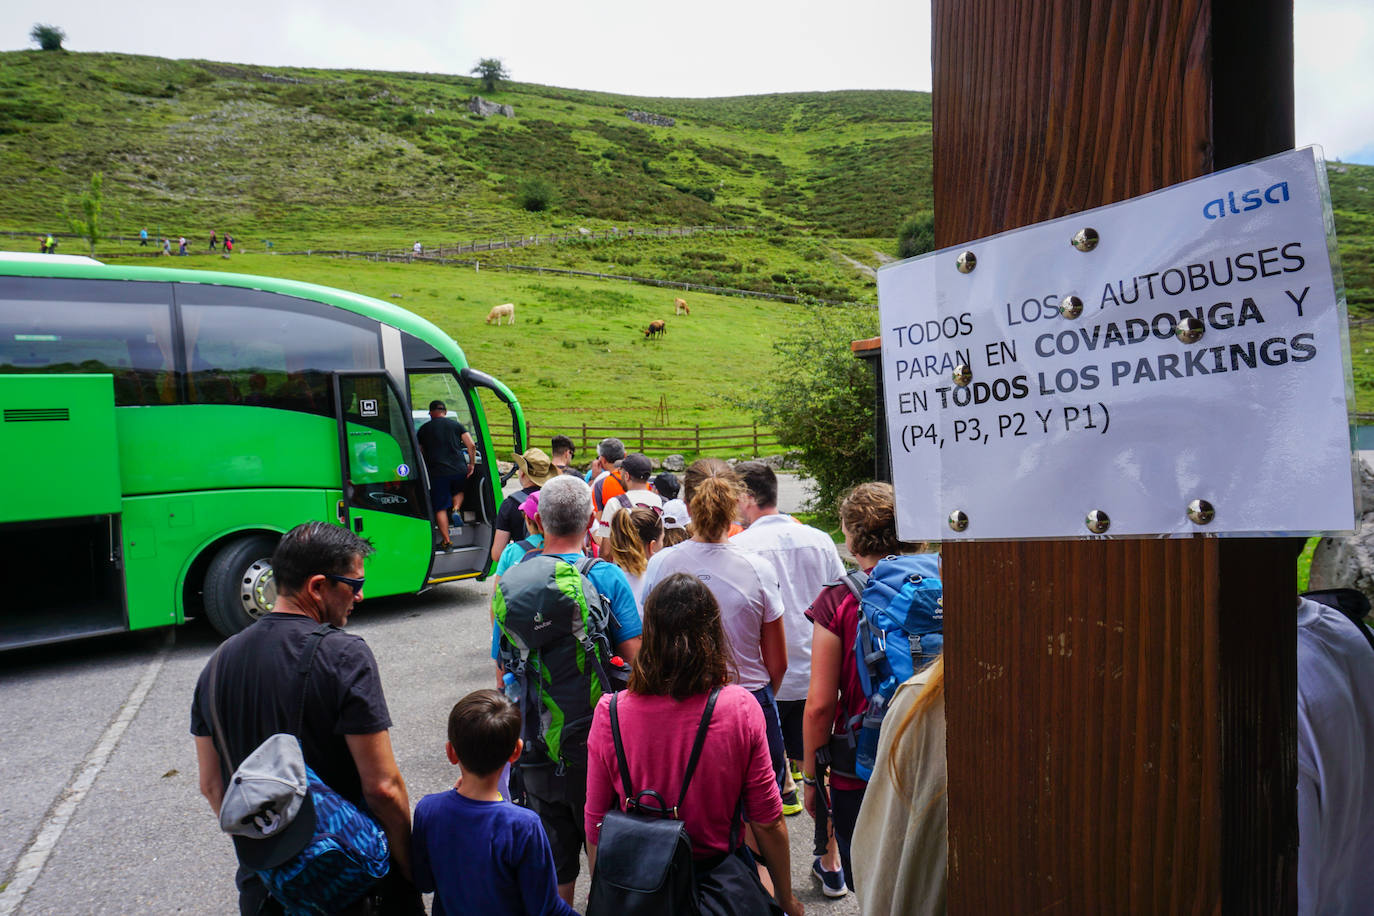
x=683, y=657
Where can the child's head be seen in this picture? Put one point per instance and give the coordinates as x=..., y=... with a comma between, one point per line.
x=483, y=729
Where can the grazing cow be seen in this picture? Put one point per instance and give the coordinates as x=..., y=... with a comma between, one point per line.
x=680, y=307
x=657, y=328
x=502, y=311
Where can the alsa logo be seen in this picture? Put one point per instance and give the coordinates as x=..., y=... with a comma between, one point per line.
x=1252, y=199
x=387, y=499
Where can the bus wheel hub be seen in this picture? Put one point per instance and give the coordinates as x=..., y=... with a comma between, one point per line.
x=259, y=592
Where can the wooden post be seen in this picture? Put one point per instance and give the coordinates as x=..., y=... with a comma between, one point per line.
x=1121, y=714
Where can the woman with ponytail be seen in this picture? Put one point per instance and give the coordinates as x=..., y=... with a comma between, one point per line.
x=636, y=535
x=744, y=585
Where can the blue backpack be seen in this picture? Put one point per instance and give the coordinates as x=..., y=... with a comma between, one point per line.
x=346, y=857
x=901, y=619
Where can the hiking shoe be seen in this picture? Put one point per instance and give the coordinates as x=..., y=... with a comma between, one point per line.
x=796, y=773
x=790, y=804
x=832, y=882
x=455, y=518
x=446, y=547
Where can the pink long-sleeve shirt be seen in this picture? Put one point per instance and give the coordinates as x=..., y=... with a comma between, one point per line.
x=657, y=733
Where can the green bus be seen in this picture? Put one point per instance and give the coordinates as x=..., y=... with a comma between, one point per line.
x=162, y=428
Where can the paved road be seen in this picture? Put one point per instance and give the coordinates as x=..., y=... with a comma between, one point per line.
x=99, y=794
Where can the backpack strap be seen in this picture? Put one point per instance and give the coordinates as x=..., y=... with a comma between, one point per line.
x=691, y=761
x=855, y=580
x=625, y=501
x=312, y=645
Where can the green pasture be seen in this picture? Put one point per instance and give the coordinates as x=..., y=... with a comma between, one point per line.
x=577, y=351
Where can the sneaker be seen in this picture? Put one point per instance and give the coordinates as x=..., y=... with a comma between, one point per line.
x=832, y=882
x=446, y=547
x=455, y=518
x=796, y=772
x=790, y=804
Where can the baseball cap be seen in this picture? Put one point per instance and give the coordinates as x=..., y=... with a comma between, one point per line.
x=537, y=466
x=531, y=505
x=267, y=807
x=675, y=514
x=637, y=466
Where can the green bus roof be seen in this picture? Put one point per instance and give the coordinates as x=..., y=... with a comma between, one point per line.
x=80, y=268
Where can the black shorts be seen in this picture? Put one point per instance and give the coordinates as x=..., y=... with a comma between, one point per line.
x=560, y=802
x=790, y=714
x=442, y=488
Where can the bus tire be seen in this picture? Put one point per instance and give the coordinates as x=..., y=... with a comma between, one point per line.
x=238, y=585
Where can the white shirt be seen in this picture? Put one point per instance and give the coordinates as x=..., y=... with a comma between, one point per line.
x=746, y=588
x=804, y=559
x=1335, y=763
x=636, y=497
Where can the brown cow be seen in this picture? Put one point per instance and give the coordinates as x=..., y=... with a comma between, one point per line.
x=680, y=307
x=657, y=328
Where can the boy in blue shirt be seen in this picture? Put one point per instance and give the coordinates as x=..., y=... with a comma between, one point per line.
x=477, y=852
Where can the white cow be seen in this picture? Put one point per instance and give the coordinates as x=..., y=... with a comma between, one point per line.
x=502, y=311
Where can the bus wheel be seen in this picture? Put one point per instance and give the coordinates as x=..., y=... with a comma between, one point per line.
x=239, y=587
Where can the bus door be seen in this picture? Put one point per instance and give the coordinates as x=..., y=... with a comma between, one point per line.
x=383, y=491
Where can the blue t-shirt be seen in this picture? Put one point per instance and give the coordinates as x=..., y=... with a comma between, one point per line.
x=483, y=857
x=610, y=581
x=514, y=552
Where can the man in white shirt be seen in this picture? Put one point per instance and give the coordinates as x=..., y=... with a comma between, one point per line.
x=805, y=559
x=636, y=469
x=1335, y=763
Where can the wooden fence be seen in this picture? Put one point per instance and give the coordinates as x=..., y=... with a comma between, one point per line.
x=655, y=441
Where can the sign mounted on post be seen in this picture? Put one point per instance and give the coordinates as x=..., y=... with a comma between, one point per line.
x=1169, y=365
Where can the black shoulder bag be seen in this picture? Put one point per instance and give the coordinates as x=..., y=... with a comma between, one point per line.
x=644, y=860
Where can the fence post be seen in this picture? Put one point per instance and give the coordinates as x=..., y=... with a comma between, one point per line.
x=641, y=437
x=698, y=428
x=756, y=440
x=584, y=437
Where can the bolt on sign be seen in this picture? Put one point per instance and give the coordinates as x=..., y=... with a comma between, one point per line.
x=1169, y=365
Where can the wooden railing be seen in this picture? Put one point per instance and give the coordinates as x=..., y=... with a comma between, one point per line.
x=655, y=441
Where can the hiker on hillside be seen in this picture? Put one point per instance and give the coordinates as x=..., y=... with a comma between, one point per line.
x=213, y=241
x=142, y=238
x=574, y=613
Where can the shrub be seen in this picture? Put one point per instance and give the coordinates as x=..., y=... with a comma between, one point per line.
x=48, y=37
x=535, y=194
x=823, y=406
x=916, y=235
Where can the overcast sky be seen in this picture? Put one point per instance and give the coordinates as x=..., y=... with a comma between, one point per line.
x=643, y=47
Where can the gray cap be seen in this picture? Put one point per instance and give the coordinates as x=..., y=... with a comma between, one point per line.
x=267, y=806
x=637, y=466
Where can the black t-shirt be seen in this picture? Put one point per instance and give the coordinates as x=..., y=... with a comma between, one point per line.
x=441, y=441
x=510, y=518
x=257, y=692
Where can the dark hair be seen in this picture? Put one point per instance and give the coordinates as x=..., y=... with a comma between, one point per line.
x=869, y=513
x=483, y=728
x=673, y=536
x=437, y=404
x=632, y=531
x=315, y=549
x=684, y=651
x=761, y=482
x=712, y=497
x=561, y=443
x=666, y=485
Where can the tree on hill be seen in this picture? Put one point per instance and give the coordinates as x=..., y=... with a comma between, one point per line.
x=48, y=37
x=89, y=224
x=492, y=71
x=916, y=235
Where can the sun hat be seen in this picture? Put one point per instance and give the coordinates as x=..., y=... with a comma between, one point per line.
x=535, y=465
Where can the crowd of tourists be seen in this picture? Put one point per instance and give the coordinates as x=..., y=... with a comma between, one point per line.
x=679, y=667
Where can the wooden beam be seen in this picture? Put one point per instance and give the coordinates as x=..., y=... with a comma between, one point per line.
x=1121, y=714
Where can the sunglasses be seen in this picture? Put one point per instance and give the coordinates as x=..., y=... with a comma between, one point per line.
x=355, y=584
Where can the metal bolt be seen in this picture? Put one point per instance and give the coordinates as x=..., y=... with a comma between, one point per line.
x=1085, y=239
x=958, y=520
x=966, y=262
x=1190, y=330
x=963, y=374
x=1098, y=521
x=1071, y=307
x=1200, y=511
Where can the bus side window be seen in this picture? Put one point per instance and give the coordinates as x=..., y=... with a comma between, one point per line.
x=91, y=326
x=268, y=350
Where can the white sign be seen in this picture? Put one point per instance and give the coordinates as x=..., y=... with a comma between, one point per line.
x=1088, y=405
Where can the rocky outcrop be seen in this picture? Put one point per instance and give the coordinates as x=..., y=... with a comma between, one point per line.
x=480, y=106
x=1348, y=562
x=648, y=117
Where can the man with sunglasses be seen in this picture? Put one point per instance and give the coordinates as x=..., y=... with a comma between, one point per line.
x=343, y=722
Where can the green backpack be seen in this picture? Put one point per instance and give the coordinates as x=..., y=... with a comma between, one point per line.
x=555, y=640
